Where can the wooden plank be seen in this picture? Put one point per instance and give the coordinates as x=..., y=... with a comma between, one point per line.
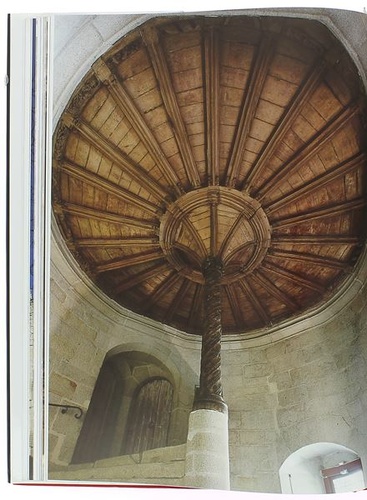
x=158, y=58
x=318, y=182
x=294, y=277
x=162, y=290
x=256, y=304
x=211, y=78
x=321, y=213
x=132, y=241
x=136, y=121
x=306, y=152
x=308, y=257
x=263, y=281
x=299, y=100
x=131, y=260
x=109, y=187
x=177, y=300
x=315, y=239
x=101, y=216
x=135, y=279
x=119, y=158
x=255, y=83
x=234, y=305
x=227, y=239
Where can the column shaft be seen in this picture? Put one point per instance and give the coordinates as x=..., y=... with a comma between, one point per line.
x=210, y=393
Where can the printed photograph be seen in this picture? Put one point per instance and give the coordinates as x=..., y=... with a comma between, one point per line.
x=208, y=315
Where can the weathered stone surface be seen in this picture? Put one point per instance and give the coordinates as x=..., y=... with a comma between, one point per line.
x=257, y=370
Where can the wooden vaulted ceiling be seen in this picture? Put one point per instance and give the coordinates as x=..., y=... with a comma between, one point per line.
x=240, y=137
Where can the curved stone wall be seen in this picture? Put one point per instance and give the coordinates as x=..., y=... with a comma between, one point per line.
x=302, y=390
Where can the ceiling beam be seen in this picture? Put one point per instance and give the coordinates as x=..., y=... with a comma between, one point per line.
x=238, y=250
x=255, y=302
x=230, y=234
x=158, y=58
x=128, y=261
x=131, y=281
x=211, y=77
x=308, y=257
x=179, y=297
x=160, y=291
x=235, y=305
x=121, y=159
x=189, y=251
x=307, y=151
x=294, y=277
x=314, y=239
x=320, y=213
x=134, y=241
x=318, y=182
x=256, y=80
x=300, y=98
x=107, y=186
x=102, y=216
x=275, y=291
x=137, y=122
x=198, y=240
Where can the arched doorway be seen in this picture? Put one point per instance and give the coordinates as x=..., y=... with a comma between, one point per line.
x=322, y=468
x=130, y=409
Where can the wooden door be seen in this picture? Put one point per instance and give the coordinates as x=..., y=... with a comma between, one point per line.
x=149, y=417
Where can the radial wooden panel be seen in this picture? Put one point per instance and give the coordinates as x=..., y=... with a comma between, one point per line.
x=236, y=137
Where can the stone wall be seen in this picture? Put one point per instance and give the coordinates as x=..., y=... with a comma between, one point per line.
x=282, y=394
x=306, y=389
x=85, y=327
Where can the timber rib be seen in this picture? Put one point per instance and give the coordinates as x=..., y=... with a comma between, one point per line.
x=159, y=62
x=309, y=149
x=103, y=216
x=282, y=127
x=318, y=182
x=212, y=68
x=136, y=121
x=108, y=187
x=120, y=159
x=252, y=94
x=320, y=213
x=128, y=261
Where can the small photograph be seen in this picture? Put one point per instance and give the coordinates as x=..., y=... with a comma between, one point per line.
x=207, y=283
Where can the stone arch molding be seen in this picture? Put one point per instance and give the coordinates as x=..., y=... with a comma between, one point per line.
x=301, y=471
x=125, y=370
x=179, y=373
x=168, y=357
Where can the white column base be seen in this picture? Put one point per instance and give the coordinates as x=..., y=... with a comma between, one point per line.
x=207, y=455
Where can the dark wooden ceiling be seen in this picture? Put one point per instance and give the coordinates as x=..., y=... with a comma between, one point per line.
x=240, y=137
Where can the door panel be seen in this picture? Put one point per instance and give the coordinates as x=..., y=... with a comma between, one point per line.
x=149, y=417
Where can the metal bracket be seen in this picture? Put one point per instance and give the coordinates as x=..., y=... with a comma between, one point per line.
x=64, y=408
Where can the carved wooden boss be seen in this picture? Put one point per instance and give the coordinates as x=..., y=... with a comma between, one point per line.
x=209, y=174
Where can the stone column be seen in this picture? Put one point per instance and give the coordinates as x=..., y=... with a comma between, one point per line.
x=207, y=456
